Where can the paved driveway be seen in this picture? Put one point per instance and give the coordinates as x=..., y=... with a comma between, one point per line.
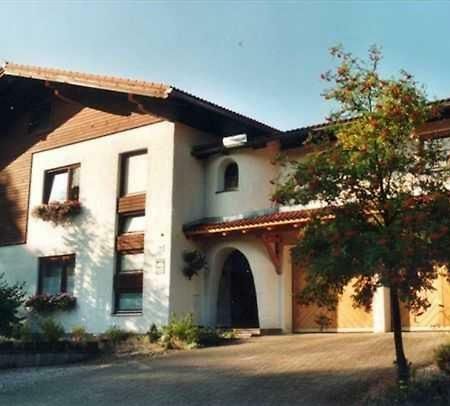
x=319, y=369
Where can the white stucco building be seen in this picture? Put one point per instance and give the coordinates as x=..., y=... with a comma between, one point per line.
x=147, y=164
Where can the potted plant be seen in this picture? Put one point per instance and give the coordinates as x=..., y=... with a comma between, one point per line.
x=194, y=261
x=43, y=303
x=57, y=212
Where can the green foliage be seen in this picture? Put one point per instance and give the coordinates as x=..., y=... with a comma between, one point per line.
x=23, y=332
x=386, y=215
x=52, y=331
x=154, y=333
x=181, y=331
x=442, y=358
x=116, y=335
x=194, y=261
x=43, y=303
x=58, y=212
x=434, y=390
x=79, y=334
x=11, y=299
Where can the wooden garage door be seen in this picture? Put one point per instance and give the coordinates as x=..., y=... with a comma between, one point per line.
x=437, y=316
x=345, y=318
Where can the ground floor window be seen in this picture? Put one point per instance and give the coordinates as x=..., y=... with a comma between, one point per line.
x=56, y=274
x=129, y=282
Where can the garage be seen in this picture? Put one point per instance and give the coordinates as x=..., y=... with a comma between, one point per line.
x=312, y=318
x=437, y=316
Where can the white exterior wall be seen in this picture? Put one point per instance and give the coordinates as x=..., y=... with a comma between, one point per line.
x=254, y=191
x=188, y=205
x=92, y=236
x=272, y=290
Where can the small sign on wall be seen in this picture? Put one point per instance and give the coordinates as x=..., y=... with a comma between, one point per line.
x=160, y=266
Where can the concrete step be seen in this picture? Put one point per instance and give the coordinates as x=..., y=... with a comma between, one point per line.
x=247, y=332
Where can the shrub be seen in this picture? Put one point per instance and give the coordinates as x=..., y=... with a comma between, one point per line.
x=52, y=331
x=180, y=332
x=154, y=334
x=43, y=303
x=57, y=212
x=11, y=299
x=22, y=332
x=434, y=390
x=208, y=337
x=116, y=335
x=442, y=358
x=79, y=334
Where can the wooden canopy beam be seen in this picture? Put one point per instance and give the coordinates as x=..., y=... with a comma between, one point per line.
x=272, y=243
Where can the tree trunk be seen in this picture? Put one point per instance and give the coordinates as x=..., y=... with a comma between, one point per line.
x=401, y=361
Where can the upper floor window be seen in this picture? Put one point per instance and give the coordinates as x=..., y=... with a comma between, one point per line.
x=56, y=274
x=62, y=184
x=39, y=118
x=133, y=223
x=134, y=173
x=231, y=177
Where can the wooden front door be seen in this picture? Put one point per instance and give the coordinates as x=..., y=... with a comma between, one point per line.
x=313, y=318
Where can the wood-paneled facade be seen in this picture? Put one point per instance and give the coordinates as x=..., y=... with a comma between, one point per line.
x=71, y=122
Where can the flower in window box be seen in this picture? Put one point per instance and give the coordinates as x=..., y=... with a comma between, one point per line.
x=43, y=303
x=57, y=212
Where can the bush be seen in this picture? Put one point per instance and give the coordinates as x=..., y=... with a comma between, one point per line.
x=183, y=333
x=154, y=334
x=43, y=303
x=209, y=337
x=116, y=335
x=442, y=358
x=52, y=331
x=22, y=332
x=434, y=390
x=79, y=334
x=11, y=299
x=180, y=332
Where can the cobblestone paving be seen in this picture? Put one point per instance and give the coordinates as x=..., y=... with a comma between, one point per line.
x=315, y=369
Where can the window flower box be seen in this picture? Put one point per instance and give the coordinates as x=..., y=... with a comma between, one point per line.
x=57, y=212
x=43, y=303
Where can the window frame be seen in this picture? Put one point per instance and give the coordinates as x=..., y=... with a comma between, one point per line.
x=123, y=175
x=123, y=217
x=229, y=188
x=66, y=260
x=130, y=273
x=55, y=171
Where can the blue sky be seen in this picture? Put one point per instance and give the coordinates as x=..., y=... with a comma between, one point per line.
x=261, y=58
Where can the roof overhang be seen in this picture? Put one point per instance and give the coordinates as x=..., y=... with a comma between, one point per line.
x=157, y=98
x=273, y=220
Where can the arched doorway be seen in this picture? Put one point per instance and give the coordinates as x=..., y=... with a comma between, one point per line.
x=236, y=302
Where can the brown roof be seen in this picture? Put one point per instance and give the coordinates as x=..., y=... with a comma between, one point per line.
x=129, y=86
x=293, y=218
x=87, y=80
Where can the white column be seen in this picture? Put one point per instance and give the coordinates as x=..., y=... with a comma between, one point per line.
x=381, y=311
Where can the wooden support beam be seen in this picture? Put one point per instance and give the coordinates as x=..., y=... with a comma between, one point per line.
x=272, y=243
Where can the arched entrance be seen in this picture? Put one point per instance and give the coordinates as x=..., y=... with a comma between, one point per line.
x=236, y=301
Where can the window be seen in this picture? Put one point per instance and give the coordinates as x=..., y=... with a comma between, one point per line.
x=62, y=184
x=134, y=173
x=231, y=177
x=56, y=274
x=39, y=118
x=129, y=281
x=134, y=223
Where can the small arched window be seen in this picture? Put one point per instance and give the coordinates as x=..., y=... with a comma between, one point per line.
x=231, y=177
